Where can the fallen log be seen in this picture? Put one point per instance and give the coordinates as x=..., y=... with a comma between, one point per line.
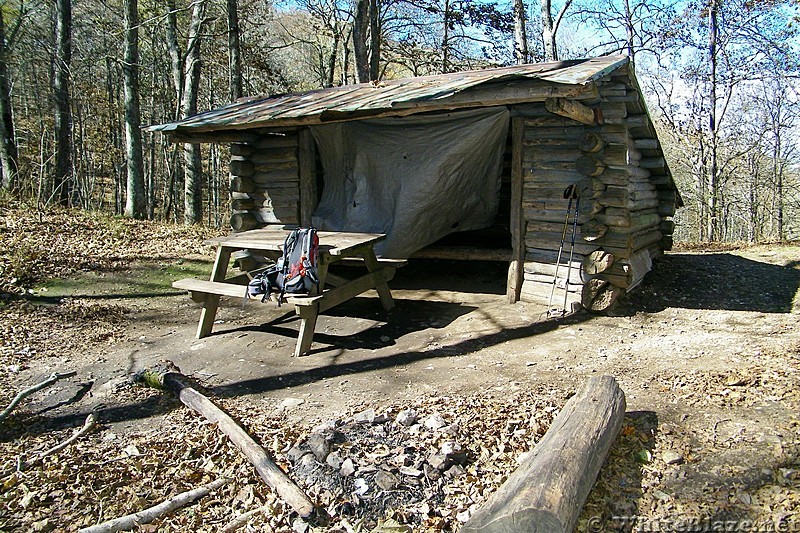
x=21, y=395
x=132, y=521
x=546, y=493
x=276, y=478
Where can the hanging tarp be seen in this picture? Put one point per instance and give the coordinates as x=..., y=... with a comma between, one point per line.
x=417, y=178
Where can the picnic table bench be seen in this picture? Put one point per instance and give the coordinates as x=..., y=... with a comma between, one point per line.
x=346, y=247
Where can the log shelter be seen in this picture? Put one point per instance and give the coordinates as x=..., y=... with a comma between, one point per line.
x=582, y=123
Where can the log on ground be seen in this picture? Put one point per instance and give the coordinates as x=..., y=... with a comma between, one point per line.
x=546, y=494
x=271, y=473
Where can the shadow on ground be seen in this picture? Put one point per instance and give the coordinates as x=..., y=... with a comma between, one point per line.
x=717, y=281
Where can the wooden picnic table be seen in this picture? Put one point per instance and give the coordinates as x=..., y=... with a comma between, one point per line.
x=334, y=246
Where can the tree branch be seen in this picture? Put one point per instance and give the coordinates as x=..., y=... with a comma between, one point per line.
x=54, y=377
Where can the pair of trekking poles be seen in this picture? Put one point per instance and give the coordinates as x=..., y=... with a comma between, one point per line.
x=571, y=194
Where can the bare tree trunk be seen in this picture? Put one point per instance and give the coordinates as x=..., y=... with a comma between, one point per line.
x=8, y=144
x=331, y=68
x=629, y=31
x=360, y=26
x=193, y=173
x=520, y=35
x=550, y=27
x=174, y=54
x=548, y=35
x=135, y=204
x=64, y=180
x=446, y=38
x=234, y=52
x=713, y=178
x=374, y=40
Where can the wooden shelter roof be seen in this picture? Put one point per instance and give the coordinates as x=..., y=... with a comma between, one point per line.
x=476, y=88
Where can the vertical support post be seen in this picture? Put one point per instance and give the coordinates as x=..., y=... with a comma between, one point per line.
x=515, y=268
x=307, y=161
x=372, y=265
x=308, y=321
x=211, y=302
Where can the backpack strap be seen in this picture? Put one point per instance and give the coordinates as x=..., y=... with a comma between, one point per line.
x=288, y=245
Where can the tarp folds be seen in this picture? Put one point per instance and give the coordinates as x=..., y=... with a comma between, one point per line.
x=417, y=178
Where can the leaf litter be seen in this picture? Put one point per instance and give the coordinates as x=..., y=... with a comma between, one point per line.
x=718, y=446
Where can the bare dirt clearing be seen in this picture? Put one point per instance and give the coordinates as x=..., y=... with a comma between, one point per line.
x=707, y=352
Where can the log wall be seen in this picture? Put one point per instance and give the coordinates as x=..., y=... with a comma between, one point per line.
x=265, y=181
x=625, y=199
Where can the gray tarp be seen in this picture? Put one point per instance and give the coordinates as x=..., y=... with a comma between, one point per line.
x=417, y=178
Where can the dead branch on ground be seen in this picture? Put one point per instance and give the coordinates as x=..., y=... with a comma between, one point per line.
x=131, y=521
x=178, y=384
x=88, y=425
x=55, y=376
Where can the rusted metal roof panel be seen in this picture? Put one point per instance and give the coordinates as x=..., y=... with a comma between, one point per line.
x=368, y=98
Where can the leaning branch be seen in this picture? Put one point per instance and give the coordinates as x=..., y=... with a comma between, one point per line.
x=55, y=376
x=131, y=521
x=271, y=473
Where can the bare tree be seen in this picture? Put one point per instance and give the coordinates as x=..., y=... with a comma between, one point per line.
x=550, y=27
x=520, y=35
x=64, y=179
x=360, y=34
x=234, y=52
x=193, y=164
x=8, y=144
x=135, y=203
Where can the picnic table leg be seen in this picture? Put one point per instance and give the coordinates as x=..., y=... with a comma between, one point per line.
x=211, y=302
x=308, y=321
x=383, y=288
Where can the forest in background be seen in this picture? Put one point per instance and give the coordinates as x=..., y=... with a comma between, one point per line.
x=79, y=78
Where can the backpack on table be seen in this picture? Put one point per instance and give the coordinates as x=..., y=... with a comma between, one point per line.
x=295, y=271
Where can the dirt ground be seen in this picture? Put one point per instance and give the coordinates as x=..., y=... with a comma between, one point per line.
x=707, y=352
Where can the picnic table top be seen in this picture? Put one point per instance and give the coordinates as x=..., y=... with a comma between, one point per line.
x=273, y=238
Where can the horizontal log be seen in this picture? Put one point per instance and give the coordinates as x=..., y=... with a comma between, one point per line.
x=537, y=255
x=646, y=144
x=275, y=141
x=269, y=155
x=613, y=89
x=600, y=295
x=243, y=221
x=216, y=137
x=667, y=227
x=242, y=185
x=593, y=230
x=549, y=268
x=654, y=163
x=548, y=490
x=591, y=143
x=666, y=209
x=277, y=214
x=282, y=175
x=550, y=152
x=242, y=150
x=242, y=168
x=575, y=281
x=590, y=188
x=551, y=240
x=571, y=109
x=589, y=165
x=597, y=262
x=551, y=216
x=613, y=110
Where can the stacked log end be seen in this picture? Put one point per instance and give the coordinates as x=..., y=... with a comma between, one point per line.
x=265, y=183
x=625, y=195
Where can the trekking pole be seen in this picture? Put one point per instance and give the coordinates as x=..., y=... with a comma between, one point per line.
x=572, y=246
x=570, y=194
